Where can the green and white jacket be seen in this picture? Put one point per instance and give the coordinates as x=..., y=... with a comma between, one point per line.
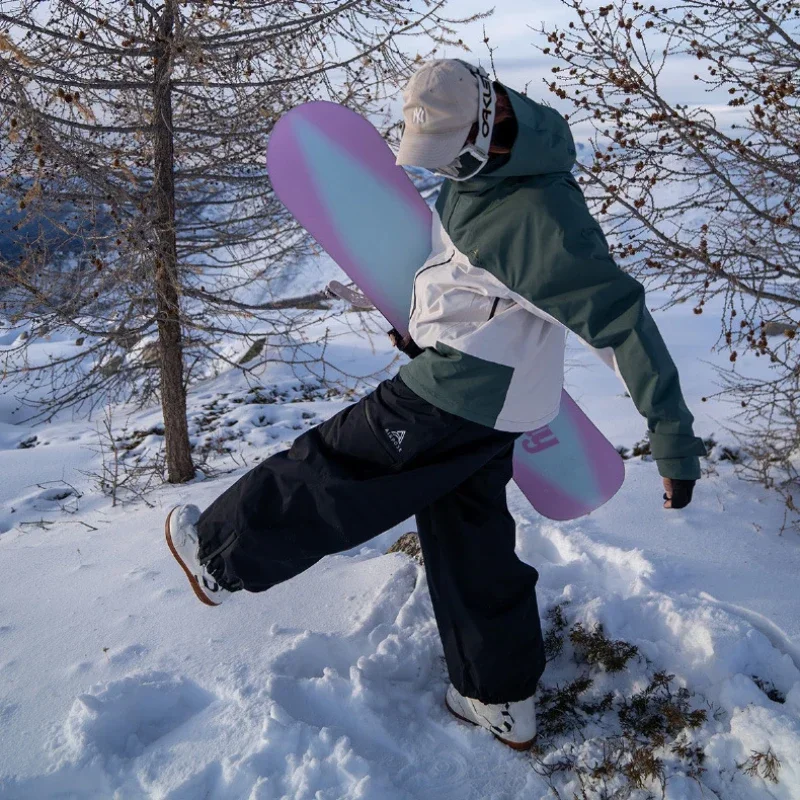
x=517, y=260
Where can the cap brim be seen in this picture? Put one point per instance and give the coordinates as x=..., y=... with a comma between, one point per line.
x=430, y=150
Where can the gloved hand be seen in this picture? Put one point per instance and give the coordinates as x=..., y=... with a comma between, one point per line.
x=677, y=492
x=405, y=344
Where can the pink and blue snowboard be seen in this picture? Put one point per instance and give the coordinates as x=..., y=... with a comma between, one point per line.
x=336, y=174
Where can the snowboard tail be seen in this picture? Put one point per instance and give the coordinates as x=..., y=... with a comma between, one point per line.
x=335, y=173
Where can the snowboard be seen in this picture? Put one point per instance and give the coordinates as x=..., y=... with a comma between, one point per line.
x=336, y=175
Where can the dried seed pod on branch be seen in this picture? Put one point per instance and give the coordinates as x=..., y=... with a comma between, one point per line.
x=134, y=138
x=693, y=119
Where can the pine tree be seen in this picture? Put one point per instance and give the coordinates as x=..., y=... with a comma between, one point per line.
x=137, y=131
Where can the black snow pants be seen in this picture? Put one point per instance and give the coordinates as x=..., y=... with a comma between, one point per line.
x=385, y=458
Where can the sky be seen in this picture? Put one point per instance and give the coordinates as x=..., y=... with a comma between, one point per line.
x=509, y=30
x=512, y=30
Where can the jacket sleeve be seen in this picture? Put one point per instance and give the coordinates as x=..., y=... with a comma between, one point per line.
x=557, y=262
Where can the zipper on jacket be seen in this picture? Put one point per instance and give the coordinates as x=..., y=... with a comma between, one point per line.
x=414, y=285
x=494, y=306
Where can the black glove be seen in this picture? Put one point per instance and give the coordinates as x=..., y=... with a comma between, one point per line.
x=677, y=492
x=405, y=344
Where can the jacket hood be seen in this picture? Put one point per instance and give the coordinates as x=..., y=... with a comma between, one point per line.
x=544, y=142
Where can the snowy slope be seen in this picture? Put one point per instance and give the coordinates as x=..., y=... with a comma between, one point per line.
x=116, y=682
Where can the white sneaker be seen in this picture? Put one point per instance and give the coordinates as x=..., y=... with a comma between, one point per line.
x=513, y=724
x=181, y=532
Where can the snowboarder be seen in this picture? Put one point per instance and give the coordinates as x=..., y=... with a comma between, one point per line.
x=517, y=260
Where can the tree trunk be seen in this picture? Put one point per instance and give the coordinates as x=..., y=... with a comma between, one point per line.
x=173, y=394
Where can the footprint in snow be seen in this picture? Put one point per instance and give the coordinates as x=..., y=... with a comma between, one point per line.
x=79, y=668
x=424, y=752
x=118, y=720
x=311, y=653
x=123, y=656
x=143, y=574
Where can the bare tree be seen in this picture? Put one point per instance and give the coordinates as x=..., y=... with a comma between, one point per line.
x=701, y=199
x=138, y=131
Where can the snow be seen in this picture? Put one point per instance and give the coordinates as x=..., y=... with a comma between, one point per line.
x=116, y=682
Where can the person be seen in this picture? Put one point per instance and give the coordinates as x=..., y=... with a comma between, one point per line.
x=516, y=261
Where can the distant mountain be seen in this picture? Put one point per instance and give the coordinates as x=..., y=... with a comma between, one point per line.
x=20, y=230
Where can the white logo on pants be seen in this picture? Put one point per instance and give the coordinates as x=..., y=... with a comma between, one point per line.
x=397, y=438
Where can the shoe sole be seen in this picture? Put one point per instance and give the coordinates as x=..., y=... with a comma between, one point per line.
x=194, y=584
x=521, y=746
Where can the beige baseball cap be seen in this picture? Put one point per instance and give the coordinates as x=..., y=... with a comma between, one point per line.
x=439, y=109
